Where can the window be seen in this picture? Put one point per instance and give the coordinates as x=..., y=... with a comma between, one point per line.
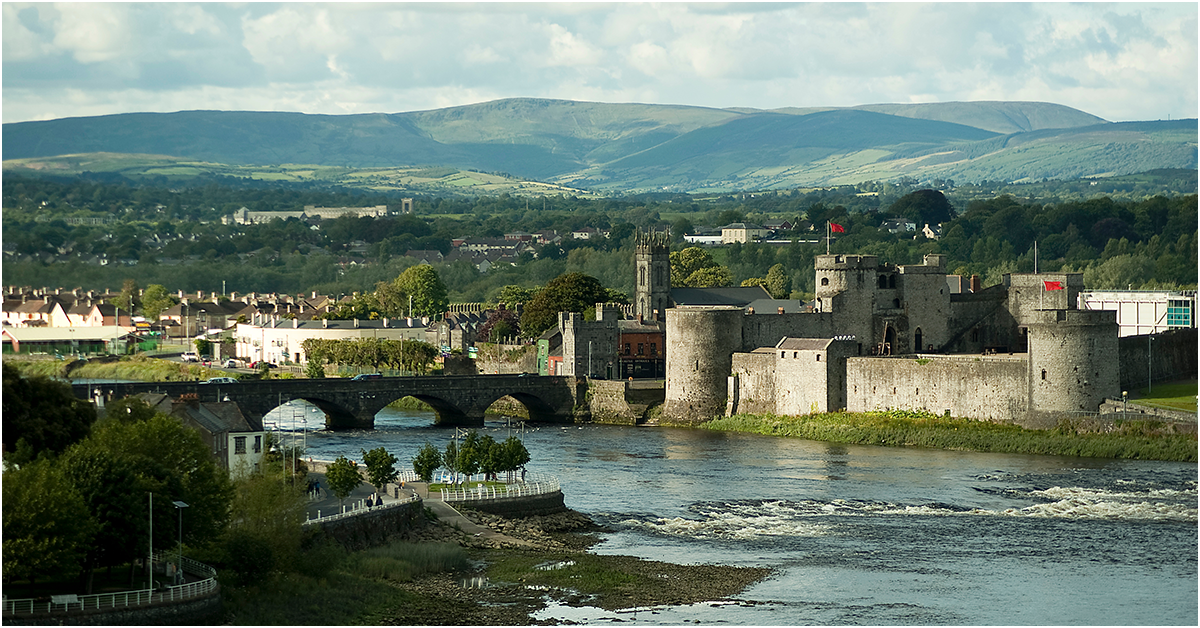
x=258, y=444
x=654, y=348
x=627, y=348
x=824, y=281
x=818, y=357
x=239, y=444
x=641, y=349
x=1179, y=313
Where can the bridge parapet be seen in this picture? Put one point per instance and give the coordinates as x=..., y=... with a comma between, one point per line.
x=456, y=399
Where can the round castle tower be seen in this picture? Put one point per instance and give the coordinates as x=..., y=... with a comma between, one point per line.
x=1074, y=360
x=701, y=343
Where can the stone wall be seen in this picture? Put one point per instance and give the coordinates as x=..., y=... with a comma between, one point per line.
x=1174, y=354
x=753, y=386
x=525, y=506
x=1074, y=362
x=620, y=402
x=764, y=329
x=373, y=528
x=993, y=388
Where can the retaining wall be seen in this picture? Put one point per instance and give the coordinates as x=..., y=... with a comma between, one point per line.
x=524, y=506
x=1174, y=354
x=619, y=402
x=372, y=528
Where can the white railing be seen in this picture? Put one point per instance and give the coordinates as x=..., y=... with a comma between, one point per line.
x=358, y=507
x=534, y=484
x=122, y=599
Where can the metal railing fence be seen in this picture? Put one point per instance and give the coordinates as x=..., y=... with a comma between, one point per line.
x=534, y=484
x=122, y=599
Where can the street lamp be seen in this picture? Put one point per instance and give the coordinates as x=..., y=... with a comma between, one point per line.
x=179, y=506
x=1125, y=404
x=1149, y=363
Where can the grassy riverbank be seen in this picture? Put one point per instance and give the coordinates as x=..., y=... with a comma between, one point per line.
x=442, y=576
x=1141, y=440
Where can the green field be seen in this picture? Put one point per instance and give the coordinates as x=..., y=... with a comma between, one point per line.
x=1176, y=396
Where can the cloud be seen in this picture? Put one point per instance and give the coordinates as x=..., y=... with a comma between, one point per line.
x=1118, y=61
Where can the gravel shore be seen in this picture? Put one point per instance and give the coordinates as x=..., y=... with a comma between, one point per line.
x=471, y=599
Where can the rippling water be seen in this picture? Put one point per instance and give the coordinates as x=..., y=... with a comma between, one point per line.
x=864, y=535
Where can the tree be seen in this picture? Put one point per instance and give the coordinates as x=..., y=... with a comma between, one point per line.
x=779, y=282
x=515, y=455
x=47, y=526
x=450, y=458
x=203, y=346
x=686, y=262
x=923, y=207
x=710, y=277
x=154, y=300
x=512, y=294
x=128, y=299
x=470, y=454
x=314, y=369
x=501, y=323
x=342, y=477
x=425, y=287
x=427, y=460
x=41, y=416
x=381, y=467
x=265, y=528
x=570, y=292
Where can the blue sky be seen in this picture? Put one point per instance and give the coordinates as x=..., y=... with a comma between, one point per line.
x=1132, y=61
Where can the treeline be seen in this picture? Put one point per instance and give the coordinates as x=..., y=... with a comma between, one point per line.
x=1149, y=242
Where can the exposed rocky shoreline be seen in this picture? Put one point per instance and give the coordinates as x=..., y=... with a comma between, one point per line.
x=470, y=599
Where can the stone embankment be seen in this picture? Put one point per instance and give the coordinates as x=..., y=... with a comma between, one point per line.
x=540, y=532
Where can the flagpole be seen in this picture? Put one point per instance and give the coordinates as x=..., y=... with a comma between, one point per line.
x=827, y=236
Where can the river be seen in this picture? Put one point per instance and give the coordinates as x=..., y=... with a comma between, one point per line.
x=858, y=534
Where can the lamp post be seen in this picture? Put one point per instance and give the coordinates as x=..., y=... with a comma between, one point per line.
x=1149, y=363
x=1125, y=404
x=150, y=561
x=179, y=506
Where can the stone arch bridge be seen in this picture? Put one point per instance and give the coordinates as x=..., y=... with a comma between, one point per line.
x=458, y=400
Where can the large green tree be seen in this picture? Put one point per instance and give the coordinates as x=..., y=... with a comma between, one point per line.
x=155, y=300
x=41, y=416
x=572, y=292
x=427, y=460
x=47, y=525
x=381, y=467
x=923, y=207
x=425, y=287
x=342, y=477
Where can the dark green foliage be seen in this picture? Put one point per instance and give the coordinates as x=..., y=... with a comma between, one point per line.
x=427, y=460
x=342, y=477
x=41, y=417
x=923, y=207
x=572, y=292
x=381, y=467
x=47, y=526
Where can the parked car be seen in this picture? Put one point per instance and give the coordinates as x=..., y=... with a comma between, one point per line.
x=190, y=356
x=365, y=376
x=258, y=364
x=220, y=380
x=231, y=364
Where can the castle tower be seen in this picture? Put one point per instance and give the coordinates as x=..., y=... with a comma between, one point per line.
x=652, y=258
x=700, y=346
x=1074, y=359
x=846, y=286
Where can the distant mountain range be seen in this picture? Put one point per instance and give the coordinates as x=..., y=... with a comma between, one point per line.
x=639, y=147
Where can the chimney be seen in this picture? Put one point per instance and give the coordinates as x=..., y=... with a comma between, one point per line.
x=750, y=311
x=781, y=310
x=356, y=323
x=314, y=294
x=976, y=284
x=385, y=321
x=324, y=323
x=180, y=294
x=295, y=323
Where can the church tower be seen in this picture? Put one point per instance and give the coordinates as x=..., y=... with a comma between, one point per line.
x=652, y=296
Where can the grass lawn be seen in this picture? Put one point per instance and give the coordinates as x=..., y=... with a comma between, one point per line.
x=1176, y=396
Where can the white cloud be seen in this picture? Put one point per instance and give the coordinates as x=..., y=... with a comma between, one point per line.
x=1119, y=61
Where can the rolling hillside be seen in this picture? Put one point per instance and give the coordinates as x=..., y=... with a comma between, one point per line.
x=630, y=147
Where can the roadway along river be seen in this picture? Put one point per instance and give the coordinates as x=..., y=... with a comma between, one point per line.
x=863, y=535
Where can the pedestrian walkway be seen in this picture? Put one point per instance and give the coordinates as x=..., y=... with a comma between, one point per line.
x=327, y=504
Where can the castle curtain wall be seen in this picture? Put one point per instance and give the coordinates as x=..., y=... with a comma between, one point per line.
x=993, y=388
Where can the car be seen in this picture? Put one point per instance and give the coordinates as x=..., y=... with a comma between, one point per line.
x=190, y=356
x=231, y=364
x=220, y=380
x=365, y=376
x=259, y=364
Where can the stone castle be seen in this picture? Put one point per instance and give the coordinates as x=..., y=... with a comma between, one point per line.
x=883, y=336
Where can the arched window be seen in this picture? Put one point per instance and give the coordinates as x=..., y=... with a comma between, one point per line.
x=882, y=282
x=824, y=281
x=892, y=281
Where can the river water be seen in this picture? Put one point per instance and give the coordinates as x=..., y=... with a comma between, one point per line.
x=858, y=534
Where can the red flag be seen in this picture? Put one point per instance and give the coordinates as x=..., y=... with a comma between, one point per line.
x=836, y=228
x=1053, y=285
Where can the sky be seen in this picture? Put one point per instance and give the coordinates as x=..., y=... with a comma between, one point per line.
x=1121, y=62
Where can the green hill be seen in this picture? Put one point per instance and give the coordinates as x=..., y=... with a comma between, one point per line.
x=633, y=147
